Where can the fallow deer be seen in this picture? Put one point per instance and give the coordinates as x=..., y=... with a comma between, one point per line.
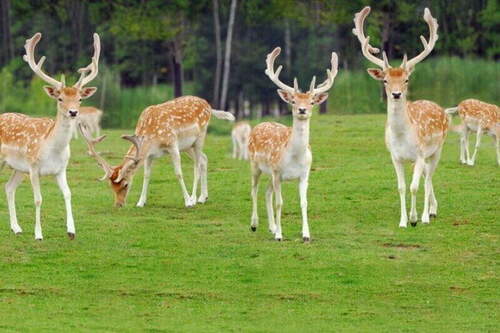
x=176, y=126
x=90, y=117
x=40, y=146
x=240, y=134
x=415, y=131
x=284, y=152
x=479, y=117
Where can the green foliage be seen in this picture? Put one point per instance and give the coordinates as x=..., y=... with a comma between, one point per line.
x=168, y=268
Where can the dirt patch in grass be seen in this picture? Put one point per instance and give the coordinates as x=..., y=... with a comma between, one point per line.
x=402, y=246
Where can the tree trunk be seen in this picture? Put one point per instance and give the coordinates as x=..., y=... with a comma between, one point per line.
x=7, y=49
x=288, y=45
x=176, y=63
x=218, y=51
x=227, y=57
x=323, y=107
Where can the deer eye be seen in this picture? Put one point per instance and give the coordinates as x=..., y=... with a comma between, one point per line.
x=59, y=99
x=80, y=100
x=406, y=81
x=385, y=81
x=293, y=102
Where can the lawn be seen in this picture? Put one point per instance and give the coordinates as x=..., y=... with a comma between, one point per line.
x=166, y=267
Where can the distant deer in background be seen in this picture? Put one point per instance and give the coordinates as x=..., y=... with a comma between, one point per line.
x=91, y=117
x=415, y=131
x=284, y=152
x=240, y=135
x=479, y=117
x=40, y=146
x=176, y=126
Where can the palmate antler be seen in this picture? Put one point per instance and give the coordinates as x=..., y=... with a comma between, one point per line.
x=428, y=46
x=274, y=75
x=93, y=67
x=29, y=57
x=369, y=51
x=137, y=141
x=91, y=142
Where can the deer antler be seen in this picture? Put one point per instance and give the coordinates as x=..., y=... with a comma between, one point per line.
x=366, y=48
x=428, y=46
x=93, y=67
x=274, y=75
x=91, y=142
x=29, y=57
x=331, y=73
x=137, y=142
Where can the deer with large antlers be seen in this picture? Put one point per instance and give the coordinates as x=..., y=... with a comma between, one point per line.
x=479, y=117
x=40, y=146
x=415, y=131
x=284, y=152
x=176, y=126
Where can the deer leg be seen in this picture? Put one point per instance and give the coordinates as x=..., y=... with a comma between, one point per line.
x=203, y=178
x=196, y=171
x=148, y=161
x=430, y=202
x=269, y=207
x=256, y=172
x=478, y=143
x=10, y=190
x=303, y=185
x=417, y=174
x=63, y=186
x=176, y=161
x=35, y=183
x=235, y=147
x=400, y=173
x=466, y=144
x=463, y=134
x=279, y=204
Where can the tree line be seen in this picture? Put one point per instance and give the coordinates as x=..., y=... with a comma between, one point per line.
x=220, y=45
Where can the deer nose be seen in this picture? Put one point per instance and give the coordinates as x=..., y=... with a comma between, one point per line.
x=73, y=113
x=396, y=95
x=302, y=111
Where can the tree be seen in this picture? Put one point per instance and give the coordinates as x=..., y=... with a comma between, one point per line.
x=227, y=57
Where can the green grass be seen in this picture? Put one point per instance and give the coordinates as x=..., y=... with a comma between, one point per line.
x=165, y=267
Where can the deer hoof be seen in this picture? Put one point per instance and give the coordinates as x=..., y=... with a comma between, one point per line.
x=306, y=239
x=413, y=224
x=432, y=216
x=253, y=228
x=278, y=239
x=71, y=235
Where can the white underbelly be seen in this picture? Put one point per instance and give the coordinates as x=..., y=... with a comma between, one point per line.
x=186, y=143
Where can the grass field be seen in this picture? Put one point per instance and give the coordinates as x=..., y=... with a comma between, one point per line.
x=165, y=267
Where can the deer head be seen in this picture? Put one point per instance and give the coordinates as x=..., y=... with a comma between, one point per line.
x=119, y=177
x=68, y=98
x=395, y=79
x=301, y=103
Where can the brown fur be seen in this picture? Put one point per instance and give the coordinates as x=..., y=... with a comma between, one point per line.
x=486, y=115
x=22, y=134
x=429, y=121
x=268, y=142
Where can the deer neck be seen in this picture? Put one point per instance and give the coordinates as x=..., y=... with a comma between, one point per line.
x=62, y=132
x=397, y=115
x=299, y=139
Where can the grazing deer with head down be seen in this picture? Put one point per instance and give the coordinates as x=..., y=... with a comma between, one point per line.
x=476, y=117
x=40, y=146
x=91, y=117
x=176, y=126
x=284, y=152
x=240, y=134
x=415, y=131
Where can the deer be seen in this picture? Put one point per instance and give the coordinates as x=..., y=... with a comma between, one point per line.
x=178, y=125
x=284, y=152
x=414, y=131
x=91, y=117
x=480, y=117
x=40, y=146
x=239, y=134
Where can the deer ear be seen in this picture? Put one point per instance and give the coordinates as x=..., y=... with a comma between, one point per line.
x=87, y=92
x=286, y=96
x=52, y=91
x=320, y=98
x=376, y=73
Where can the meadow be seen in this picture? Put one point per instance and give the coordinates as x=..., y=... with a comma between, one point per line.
x=167, y=268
